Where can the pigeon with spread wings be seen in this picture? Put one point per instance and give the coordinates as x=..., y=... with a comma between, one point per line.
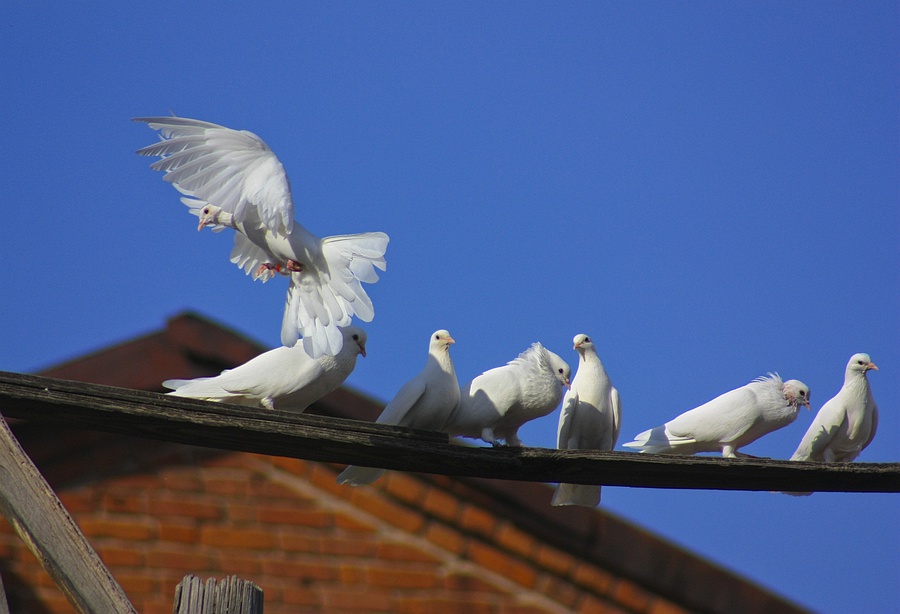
x=230, y=178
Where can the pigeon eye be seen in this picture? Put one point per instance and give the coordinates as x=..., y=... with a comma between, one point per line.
x=560, y=371
x=437, y=337
x=356, y=337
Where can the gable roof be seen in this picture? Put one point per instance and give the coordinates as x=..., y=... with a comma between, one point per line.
x=193, y=346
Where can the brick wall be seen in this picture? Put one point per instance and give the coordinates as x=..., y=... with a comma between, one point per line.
x=405, y=545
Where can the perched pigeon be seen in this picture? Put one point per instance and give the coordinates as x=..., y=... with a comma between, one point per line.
x=729, y=421
x=286, y=377
x=590, y=419
x=846, y=424
x=231, y=178
x=424, y=402
x=496, y=403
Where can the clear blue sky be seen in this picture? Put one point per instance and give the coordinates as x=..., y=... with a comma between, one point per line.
x=709, y=189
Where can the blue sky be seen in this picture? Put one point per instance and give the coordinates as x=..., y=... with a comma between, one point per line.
x=710, y=190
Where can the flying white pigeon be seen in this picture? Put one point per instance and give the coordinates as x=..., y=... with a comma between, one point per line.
x=846, y=424
x=231, y=178
x=424, y=402
x=590, y=419
x=729, y=421
x=283, y=378
x=495, y=404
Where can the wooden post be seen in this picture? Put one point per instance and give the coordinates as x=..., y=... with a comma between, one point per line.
x=40, y=519
x=229, y=596
x=4, y=606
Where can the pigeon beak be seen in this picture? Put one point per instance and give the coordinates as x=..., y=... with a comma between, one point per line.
x=450, y=340
x=201, y=224
x=871, y=365
x=362, y=350
x=568, y=385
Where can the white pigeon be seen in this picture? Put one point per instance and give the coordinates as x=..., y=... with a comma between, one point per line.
x=846, y=424
x=424, y=402
x=231, y=178
x=730, y=421
x=282, y=378
x=494, y=405
x=590, y=419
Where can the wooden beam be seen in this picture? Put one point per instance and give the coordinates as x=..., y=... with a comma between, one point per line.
x=336, y=440
x=45, y=526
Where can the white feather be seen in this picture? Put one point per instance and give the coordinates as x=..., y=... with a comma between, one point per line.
x=424, y=402
x=282, y=378
x=590, y=419
x=730, y=421
x=241, y=184
x=494, y=405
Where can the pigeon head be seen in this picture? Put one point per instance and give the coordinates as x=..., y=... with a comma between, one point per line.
x=582, y=342
x=210, y=215
x=796, y=393
x=356, y=336
x=440, y=340
x=561, y=370
x=859, y=364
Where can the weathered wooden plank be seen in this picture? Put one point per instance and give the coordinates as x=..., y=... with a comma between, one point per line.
x=4, y=605
x=45, y=526
x=278, y=433
x=229, y=596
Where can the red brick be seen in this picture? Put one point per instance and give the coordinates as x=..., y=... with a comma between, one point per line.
x=121, y=557
x=553, y=560
x=188, y=534
x=478, y=520
x=386, y=551
x=76, y=502
x=404, y=487
x=325, y=477
x=299, y=571
x=340, y=546
x=355, y=599
x=186, y=480
x=559, y=591
x=441, y=504
x=293, y=542
x=226, y=486
x=592, y=605
x=182, y=562
x=237, y=538
x=396, y=577
x=445, y=537
x=515, y=540
x=291, y=465
x=470, y=584
x=272, y=490
x=349, y=523
x=184, y=507
x=135, y=530
x=502, y=563
x=292, y=515
x=138, y=584
x=425, y=605
x=124, y=502
x=631, y=596
x=390, y=512
x=661, y=606
x=300, y=596
x=593, y=578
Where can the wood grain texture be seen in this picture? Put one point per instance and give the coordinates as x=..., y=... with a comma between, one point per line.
x=228, y=596
x=40, y=519
x=337, y=440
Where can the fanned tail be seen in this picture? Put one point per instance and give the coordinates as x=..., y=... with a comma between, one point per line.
x=317, y=306
x=656, y=441
x=576, y=494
